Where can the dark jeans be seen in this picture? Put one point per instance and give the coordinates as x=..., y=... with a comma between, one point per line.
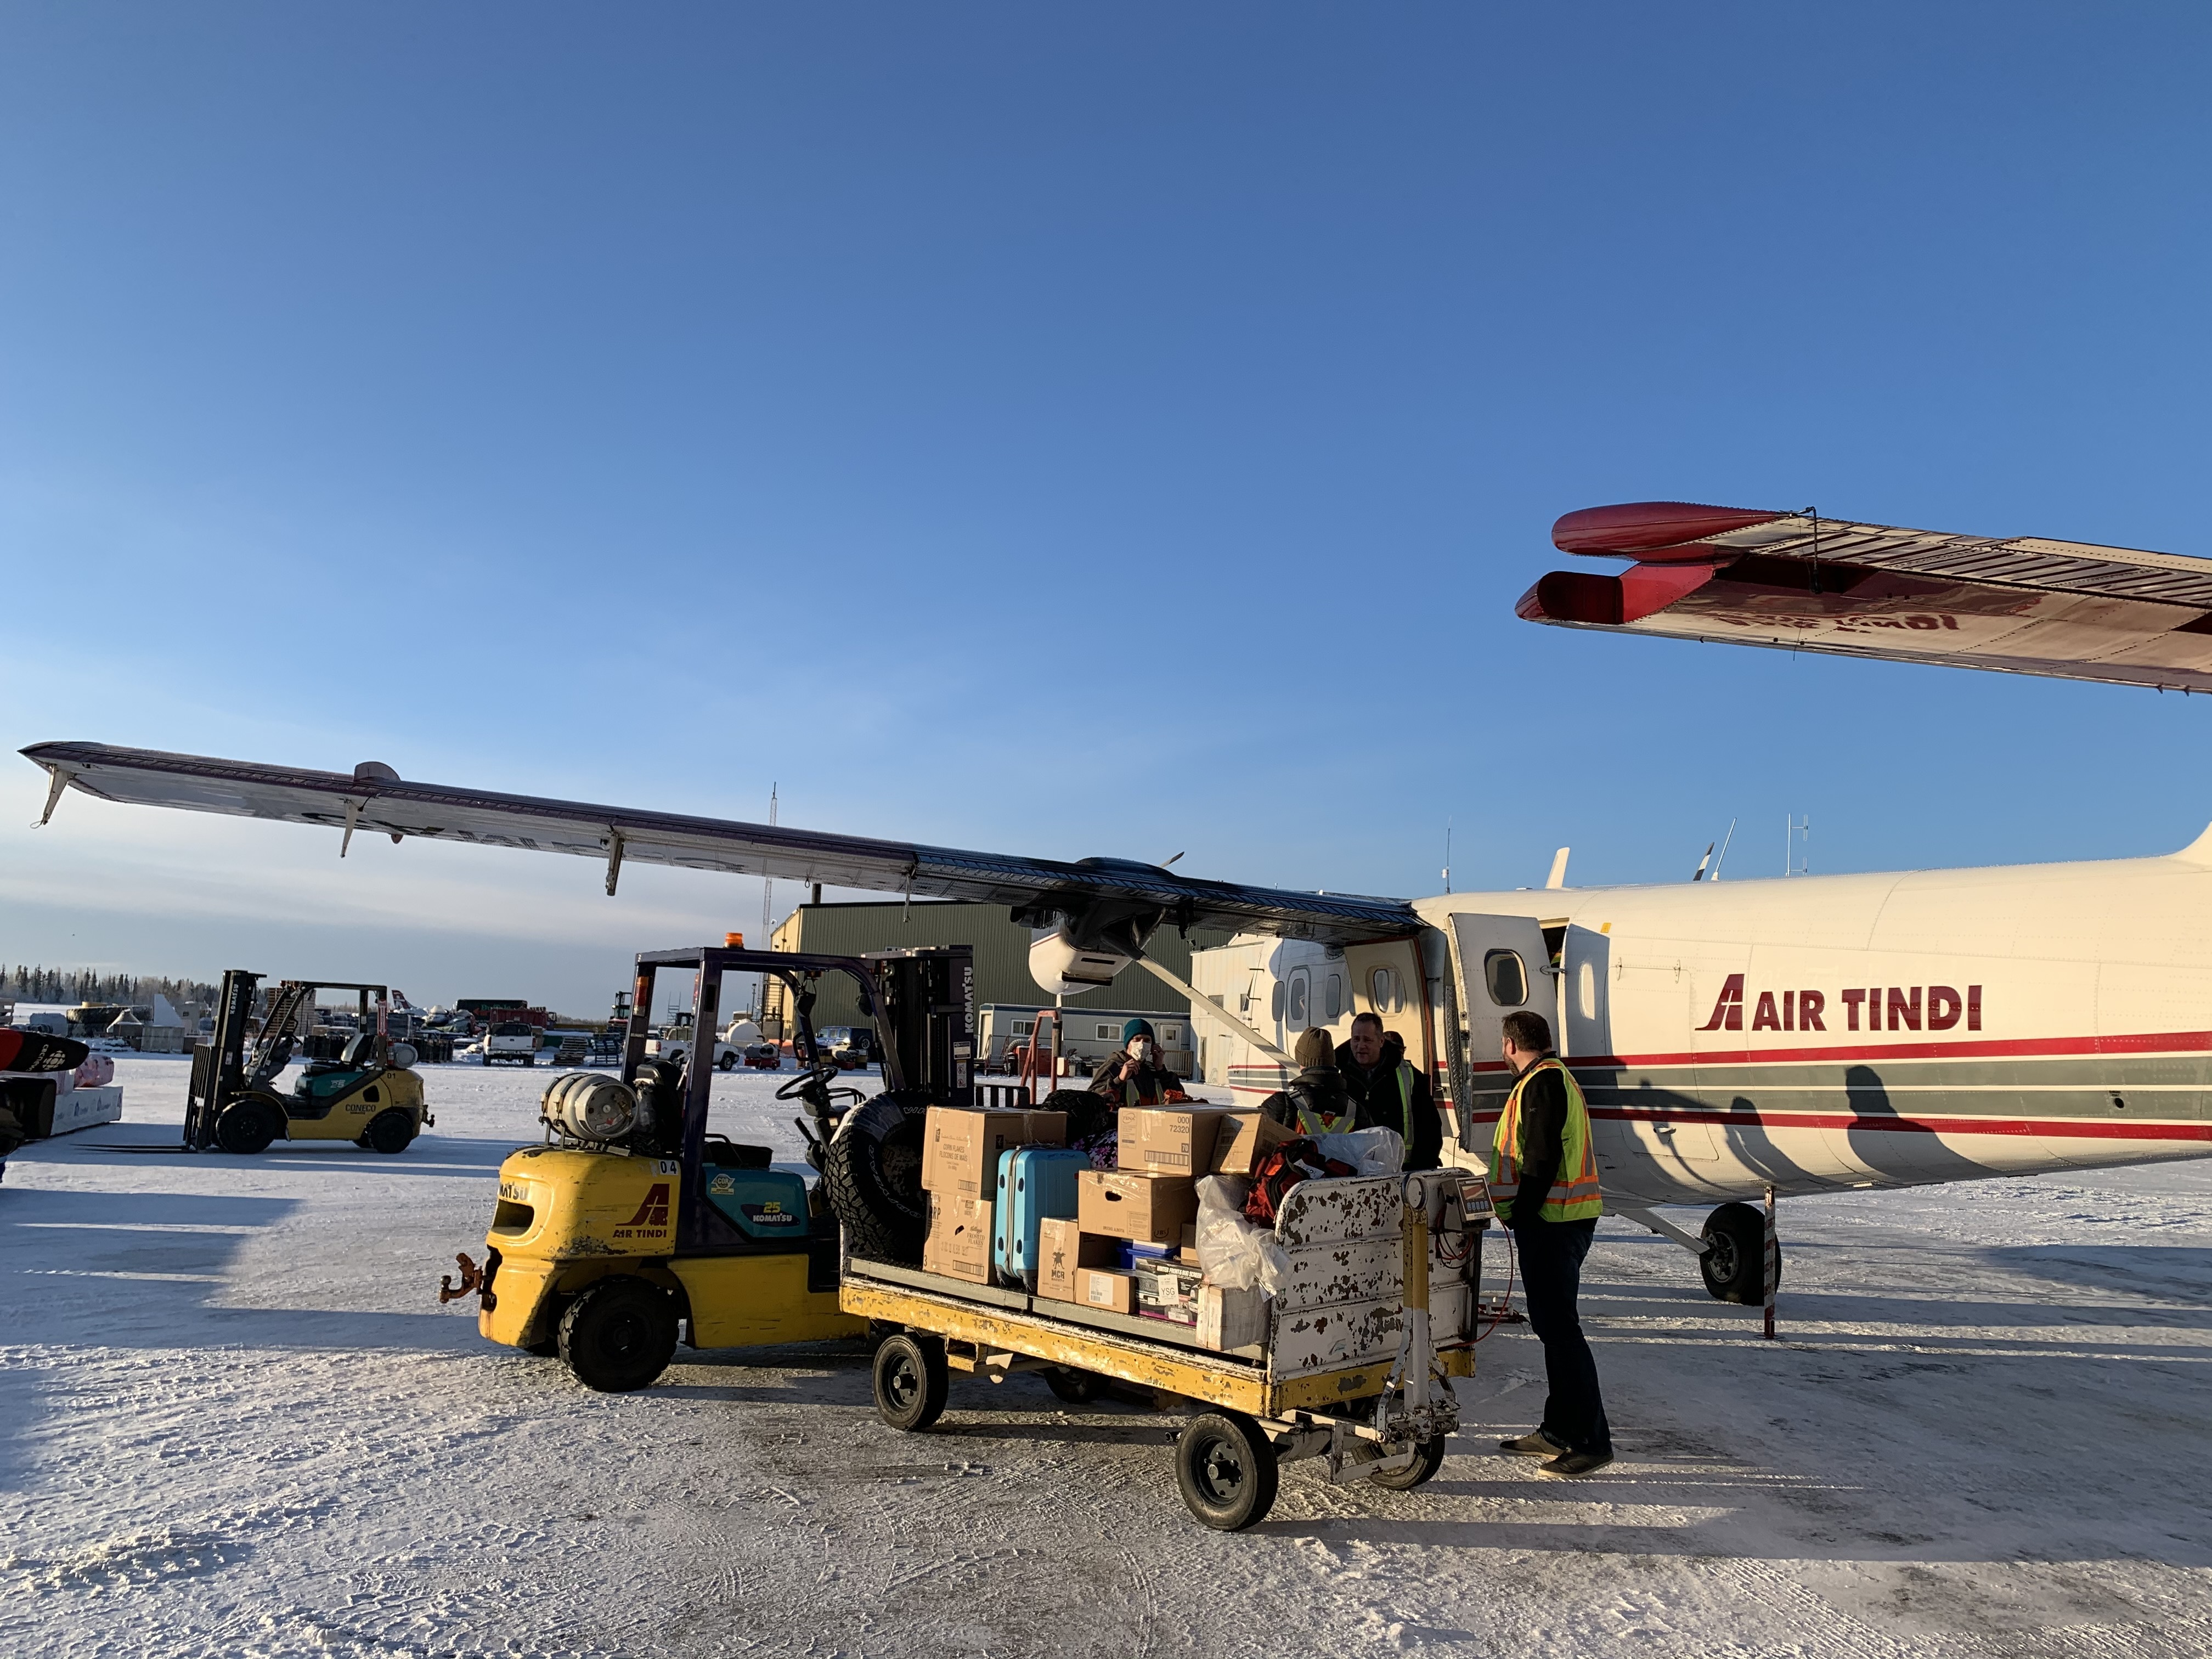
x=1552, y=1255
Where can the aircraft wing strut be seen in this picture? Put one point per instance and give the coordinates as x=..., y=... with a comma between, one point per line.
x=2020, y=605
x=374, y=799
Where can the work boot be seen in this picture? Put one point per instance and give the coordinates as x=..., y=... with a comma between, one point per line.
x=1531, y=1444
x=1574, y=1463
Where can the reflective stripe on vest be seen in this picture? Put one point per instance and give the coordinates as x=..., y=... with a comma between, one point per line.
x=1320, y=1123
x=1574, y=1195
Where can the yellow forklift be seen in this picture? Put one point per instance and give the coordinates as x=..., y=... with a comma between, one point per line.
x=632, y=1224
x=370, y=1094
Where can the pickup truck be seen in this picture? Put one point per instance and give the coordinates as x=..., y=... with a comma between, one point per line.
x=674, y=1043
x=514, y=1041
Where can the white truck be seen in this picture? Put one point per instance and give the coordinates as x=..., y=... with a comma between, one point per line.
x=511, y=1042
x=674, y=1043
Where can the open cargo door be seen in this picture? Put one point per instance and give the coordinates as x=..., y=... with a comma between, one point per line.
x=1501, y=964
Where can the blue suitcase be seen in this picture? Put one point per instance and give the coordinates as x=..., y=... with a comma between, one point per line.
x=1035, y=1184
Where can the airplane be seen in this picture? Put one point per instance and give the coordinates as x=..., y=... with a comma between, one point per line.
x=1737, y=1041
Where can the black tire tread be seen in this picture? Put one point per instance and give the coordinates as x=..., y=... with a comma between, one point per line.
x=883, y=1222
x=597, y=1301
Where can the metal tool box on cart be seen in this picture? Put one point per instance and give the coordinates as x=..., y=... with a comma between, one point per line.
x=1376, y=1315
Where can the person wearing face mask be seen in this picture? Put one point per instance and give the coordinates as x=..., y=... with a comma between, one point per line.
x=1388, y=1092
x=1135, y=1077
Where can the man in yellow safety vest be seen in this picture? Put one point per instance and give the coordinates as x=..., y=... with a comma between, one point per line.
x=1543, y=1180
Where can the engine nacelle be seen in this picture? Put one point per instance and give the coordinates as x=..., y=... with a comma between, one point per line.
x=1065, y=968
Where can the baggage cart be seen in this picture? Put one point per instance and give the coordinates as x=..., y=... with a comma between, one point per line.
x=1350, y=1362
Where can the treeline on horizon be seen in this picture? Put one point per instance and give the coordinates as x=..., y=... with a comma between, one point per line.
x=73, y=986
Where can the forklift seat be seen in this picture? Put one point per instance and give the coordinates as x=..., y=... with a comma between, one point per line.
x=360, y=1051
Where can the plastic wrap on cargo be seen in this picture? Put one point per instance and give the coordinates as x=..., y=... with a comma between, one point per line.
x=1371, y=1151
x=1234, y=1253
x=97, y=1072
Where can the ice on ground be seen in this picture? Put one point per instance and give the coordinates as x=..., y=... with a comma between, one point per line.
x=239, y=1423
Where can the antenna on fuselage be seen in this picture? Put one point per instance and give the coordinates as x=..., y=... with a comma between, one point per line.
x=1792, y=829
x=1703, y=861
x=1448, y=855
x=1723, y=859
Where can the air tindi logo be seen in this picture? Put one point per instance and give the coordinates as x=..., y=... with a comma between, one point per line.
x=653, y=1214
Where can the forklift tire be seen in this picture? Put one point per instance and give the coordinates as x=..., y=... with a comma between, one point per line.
x=1428, y=1458
x=912, y=1381
x=1735, y=1266
x=1226, y=1470
x=1076, y=1388
x=389, y=1132
x=872, y=1170
x=619, y=1335
x=245, y=1128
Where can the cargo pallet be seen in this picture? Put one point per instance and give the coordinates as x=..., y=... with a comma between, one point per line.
x=1348, y=1369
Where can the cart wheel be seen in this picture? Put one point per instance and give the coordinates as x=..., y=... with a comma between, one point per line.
x=911, y=1382
x=1076, y=1388
x=1428, y=1458
x=1227, y=1471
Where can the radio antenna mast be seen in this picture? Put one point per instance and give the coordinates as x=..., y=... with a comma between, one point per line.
x=1723, y=859
x=1448, y=855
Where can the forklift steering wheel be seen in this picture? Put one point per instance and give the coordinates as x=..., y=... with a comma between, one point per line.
x=813, y=1077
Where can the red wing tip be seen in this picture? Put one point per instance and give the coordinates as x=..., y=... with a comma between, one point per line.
x=1645, y=526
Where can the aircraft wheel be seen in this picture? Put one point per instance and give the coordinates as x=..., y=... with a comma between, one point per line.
x=245, y=1128
x=619, y=1335
x=1226, y=1471
x=389, y=1132
x=1735, y=1266
x=911, y=1381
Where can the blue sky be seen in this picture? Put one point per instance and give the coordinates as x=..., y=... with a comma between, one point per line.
x=1061, y=430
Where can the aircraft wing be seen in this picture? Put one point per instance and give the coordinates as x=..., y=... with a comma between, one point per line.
x=374, y=799
x=2022, y=605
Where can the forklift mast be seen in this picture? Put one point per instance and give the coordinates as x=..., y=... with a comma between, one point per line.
x=219, y=1068
x=928, y=1019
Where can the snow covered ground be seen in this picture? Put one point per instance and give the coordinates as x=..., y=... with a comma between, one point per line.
x=236, y=1421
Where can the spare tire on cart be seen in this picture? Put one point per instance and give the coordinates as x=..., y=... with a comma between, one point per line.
x=871, y=1171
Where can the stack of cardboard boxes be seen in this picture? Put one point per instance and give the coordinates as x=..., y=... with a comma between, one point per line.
x=1132, y=1247
x=960, y=1173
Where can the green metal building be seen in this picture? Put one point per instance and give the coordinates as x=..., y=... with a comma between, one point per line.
x=1002, y=957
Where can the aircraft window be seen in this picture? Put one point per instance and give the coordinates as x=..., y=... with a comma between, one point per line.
x=1275, y=1010
x=1334, y=1002
x=1506, y=977
x=1382, y=984
x=1294, y=1015
x=1586, y=988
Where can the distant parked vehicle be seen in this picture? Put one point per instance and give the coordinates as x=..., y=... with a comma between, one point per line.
x=674, y=1043
x=764, y=1057
x=512, y=1041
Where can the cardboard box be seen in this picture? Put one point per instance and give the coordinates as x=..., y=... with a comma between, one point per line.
x=1243, y=1139
x=1229, y=1320
x=1171, y=1140
x=1063, y=1252
x=1152, y=1209
x=958, y=1242
x=1109, y=1291
x=960, y=1149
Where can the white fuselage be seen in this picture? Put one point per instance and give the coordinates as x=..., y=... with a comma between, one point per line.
x=1811, y=1034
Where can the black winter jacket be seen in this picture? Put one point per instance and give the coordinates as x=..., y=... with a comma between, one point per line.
x=1377, y=1095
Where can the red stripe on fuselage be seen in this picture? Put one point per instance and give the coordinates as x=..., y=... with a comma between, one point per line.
x=2146, y=1042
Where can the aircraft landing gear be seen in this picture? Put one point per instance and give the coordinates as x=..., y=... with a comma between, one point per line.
x=1734, y=1264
